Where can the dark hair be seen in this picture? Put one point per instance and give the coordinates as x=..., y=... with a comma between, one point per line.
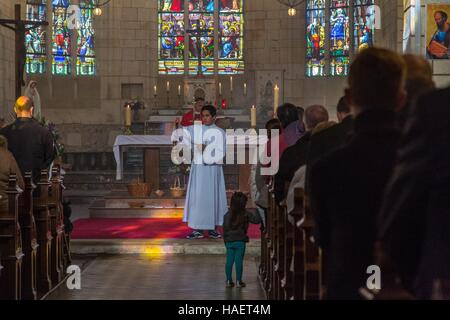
x=237, y=206
x=287, y=114
x=272, y=124
x=301, y=113
x=212, y=110
x=314, y=115
x=443, y=14
x=343, y=106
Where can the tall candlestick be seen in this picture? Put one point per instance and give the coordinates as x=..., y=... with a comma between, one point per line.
x=220, y=88
x=168, y=86
x=179, y=90
x=128, y=115
x=231, y=84
x=253, y=116
x=154, y=90
x=276, y=99
x=245, y=89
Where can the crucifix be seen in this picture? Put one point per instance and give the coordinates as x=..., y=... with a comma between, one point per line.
x=197, y=33
x=20, y=27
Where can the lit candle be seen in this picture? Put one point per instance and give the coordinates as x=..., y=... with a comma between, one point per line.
x=179, y=90
x=168, y=86
x=253, y=116
x=220, y=88
x=245, y=89
x=276, y=99
x=128, y=115
x=154, y=89
x=231, y=84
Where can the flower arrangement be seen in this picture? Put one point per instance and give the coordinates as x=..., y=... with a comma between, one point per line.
x=50, y=126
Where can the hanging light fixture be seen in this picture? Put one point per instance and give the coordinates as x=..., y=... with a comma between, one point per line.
x=291, y=4
x=98, y=10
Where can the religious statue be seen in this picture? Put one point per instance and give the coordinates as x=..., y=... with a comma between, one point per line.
x=32, y=93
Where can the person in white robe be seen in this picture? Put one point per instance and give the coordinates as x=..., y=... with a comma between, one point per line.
x=32, y=93
x=206, y=199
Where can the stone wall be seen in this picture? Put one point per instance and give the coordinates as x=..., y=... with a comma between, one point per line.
x=88, y=110
x=6, y=59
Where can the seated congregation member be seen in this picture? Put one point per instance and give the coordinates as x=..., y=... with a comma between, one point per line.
x=419, y=80
x=295, y=157
x=293, y=128
x=415, y=217
x=8, y=165
x=328, y=140
x=30, y=143
x=346, y=186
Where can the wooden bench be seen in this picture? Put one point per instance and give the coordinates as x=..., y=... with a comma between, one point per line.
x=44, y=237
x=11, y=244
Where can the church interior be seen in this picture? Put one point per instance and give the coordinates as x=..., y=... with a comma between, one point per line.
x=93, y=206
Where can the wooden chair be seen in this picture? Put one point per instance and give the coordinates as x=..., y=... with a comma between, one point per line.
x=11, y=244
x=42, y=217
x=29, y=240
x=56, y=226
x=297, y=265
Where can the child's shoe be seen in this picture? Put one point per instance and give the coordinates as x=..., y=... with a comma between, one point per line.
x=240, y=284
x=214, y=235
x=195, y=235
x=230, y=284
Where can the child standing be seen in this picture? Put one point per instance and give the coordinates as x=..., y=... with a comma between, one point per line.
x=235, y=227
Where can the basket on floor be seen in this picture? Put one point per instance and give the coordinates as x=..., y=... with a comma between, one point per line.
x=177, y=191
x=139, y=189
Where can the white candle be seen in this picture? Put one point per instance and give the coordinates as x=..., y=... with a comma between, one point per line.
x=253, y=116
x=168, y=86
x=128, y=116
x=179, y=90
x=245, y=89
x=220, y=88
x=154, y=89
x=276, y=99
x=231, y=83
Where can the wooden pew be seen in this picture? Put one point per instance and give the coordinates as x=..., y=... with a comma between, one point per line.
x=313, y=258
x=42, y=217
x=280, y=211
x=56, y=226
x=297, y=265
x=11, y=245
x=29, y=240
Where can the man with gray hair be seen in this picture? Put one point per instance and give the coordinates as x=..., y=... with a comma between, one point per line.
x=295, y=156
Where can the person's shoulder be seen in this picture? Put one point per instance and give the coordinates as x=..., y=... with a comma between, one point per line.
x=434, y=103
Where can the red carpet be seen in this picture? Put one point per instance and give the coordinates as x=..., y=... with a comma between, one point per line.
x=138, y=229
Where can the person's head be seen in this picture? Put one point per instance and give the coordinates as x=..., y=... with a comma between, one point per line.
x=301, y=113
x=343, y=109
x=23, y=107
x=419, y=76
x=376, y=81
x=33, y=84
x=238, y=204
x=287, y=114
x=272, y=124
x=314, y=115
x=441, y=18
x=3, y=142
x=199, y=104
x=209, y=113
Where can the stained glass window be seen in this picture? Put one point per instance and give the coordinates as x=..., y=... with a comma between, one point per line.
x=171, y=36
x=231, y=37
x=85, y=42
x=35, y=39
x=363, y=24
x=337, y=55
x=61, y=38
x=315, y=37
x=339, y=37
x=189, y=36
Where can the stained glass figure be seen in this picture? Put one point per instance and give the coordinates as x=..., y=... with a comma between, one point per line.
x=85, y=51
x=339, y=37
x=61, y=38
x=364, y=26
x=315, y=38
x=35, y=39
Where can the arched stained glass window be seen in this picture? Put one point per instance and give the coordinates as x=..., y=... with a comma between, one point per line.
x=331, y=49
x=85, y=42
x=35, y=39
x=61, y=38
x=199, y=28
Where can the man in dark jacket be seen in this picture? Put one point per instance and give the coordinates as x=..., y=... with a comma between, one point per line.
x=295, y=156
x=31, y=144
x=348, y=184
x=415, y=218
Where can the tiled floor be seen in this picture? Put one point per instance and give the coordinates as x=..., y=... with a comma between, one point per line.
x=168, y=277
